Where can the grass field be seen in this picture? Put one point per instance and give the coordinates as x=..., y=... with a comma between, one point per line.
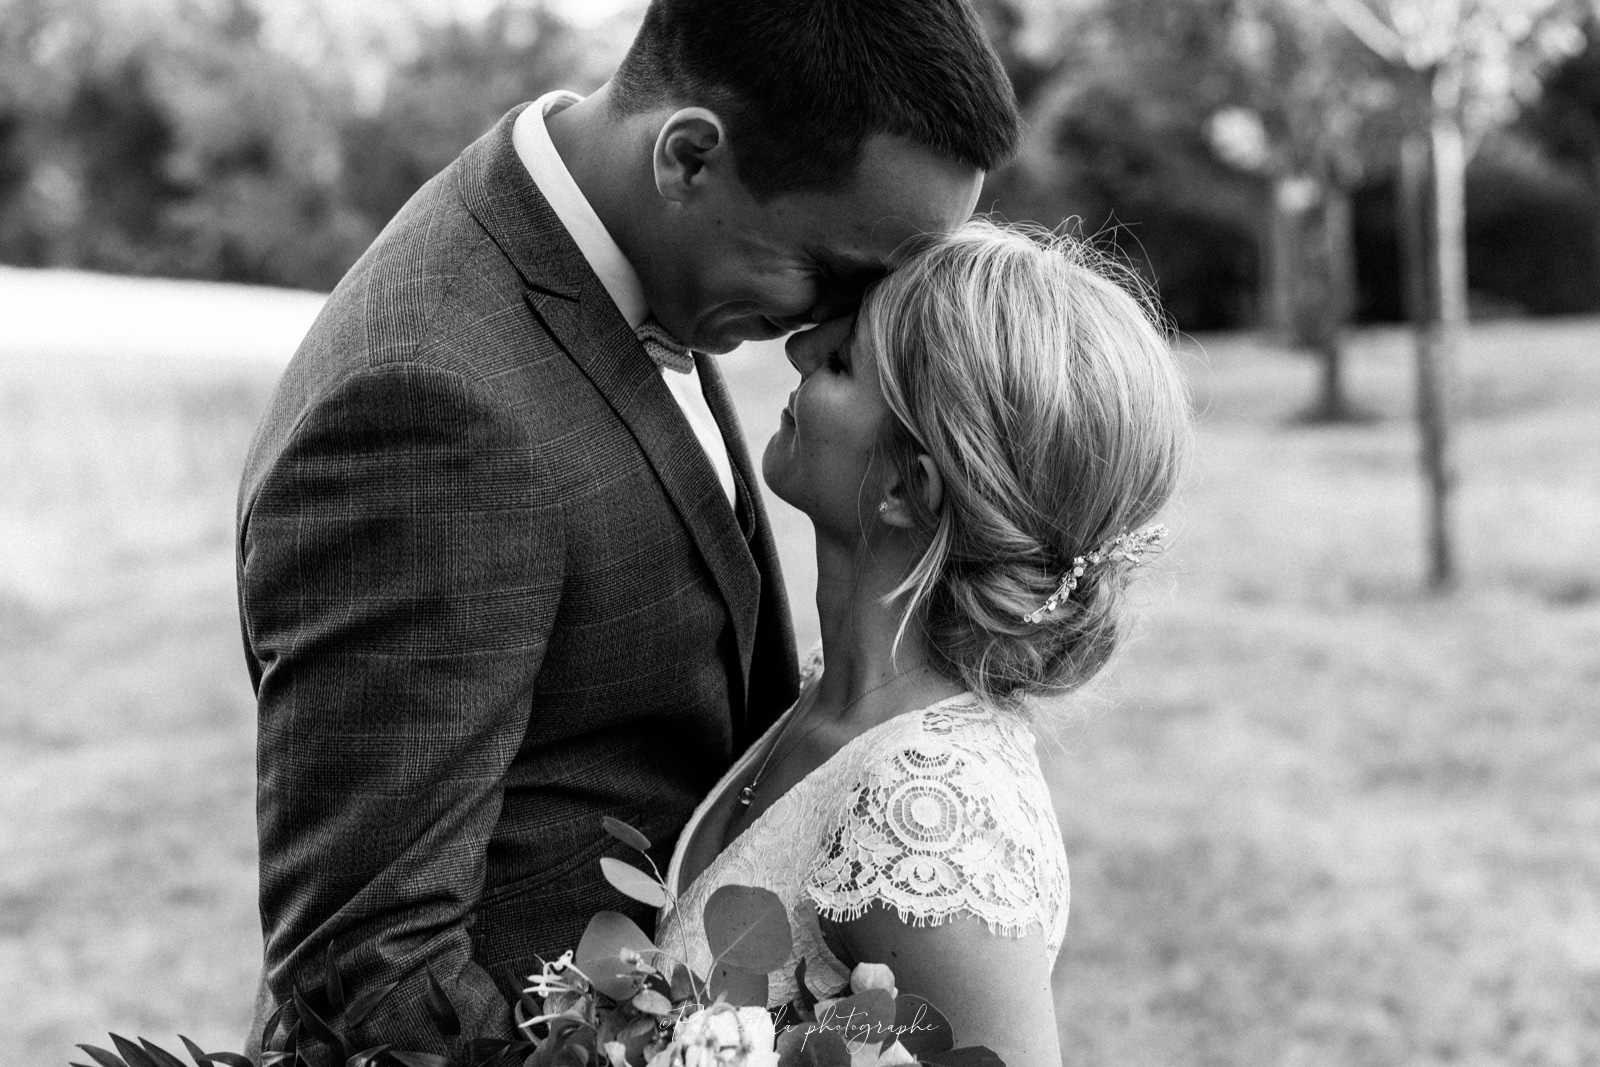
x=1314, y=816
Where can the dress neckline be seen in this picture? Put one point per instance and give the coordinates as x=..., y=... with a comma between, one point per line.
x=740, y=768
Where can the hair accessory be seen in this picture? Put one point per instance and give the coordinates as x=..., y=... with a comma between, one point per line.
x=1125, y=546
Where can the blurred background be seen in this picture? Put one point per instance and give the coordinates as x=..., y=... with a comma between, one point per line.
x=1339, y=800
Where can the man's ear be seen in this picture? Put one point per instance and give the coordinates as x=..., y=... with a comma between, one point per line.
x=926, y=488
x=692, y=142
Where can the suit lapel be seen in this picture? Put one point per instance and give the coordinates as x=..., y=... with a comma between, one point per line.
x=574, y=307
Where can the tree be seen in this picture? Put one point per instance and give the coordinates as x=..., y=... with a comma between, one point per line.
x=1460, y=65
x=1308, y=113
x=1566, y=119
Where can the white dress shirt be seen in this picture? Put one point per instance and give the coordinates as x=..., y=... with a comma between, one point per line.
x=538, y=153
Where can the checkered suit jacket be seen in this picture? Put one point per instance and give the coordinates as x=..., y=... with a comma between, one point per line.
x=490, y=591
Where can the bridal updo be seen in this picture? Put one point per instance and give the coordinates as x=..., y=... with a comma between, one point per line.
x=1048, y=397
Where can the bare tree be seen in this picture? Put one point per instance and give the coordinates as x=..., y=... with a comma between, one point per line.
x=1460, y=65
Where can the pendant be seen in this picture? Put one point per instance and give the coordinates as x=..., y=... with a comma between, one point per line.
x=746, y=795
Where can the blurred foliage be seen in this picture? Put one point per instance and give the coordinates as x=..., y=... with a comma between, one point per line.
x=269, y=140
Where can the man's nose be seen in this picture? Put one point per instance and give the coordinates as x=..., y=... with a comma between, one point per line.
x=800, y=350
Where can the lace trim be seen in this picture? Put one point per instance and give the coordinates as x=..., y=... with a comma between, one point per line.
x=947, y=825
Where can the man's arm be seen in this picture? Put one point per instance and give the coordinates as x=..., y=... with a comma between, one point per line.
x=399, y=576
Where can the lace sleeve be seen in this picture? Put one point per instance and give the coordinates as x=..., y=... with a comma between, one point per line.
x=955, y=820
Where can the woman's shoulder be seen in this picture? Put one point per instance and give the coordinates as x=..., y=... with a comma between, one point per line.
x=945, y=812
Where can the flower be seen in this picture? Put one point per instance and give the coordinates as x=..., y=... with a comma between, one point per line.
x=872, y=976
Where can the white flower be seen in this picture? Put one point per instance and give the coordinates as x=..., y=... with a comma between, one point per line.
x=721, y=1035
x=872, y=976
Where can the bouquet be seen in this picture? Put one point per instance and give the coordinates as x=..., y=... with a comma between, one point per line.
x=618, y=1000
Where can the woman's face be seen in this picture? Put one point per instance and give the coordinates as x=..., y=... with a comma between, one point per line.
x=823, y=459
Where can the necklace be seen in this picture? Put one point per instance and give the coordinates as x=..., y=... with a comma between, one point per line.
x=748, y=793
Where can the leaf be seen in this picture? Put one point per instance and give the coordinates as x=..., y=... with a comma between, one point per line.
x=630, y=881
x=625, y=833
x=102, y=1057
x=803, y=994
x=418, y=1059
x=271, y=1026
x=810, y=1046
x=921, y=1027
x=132, y=1054
x=367, y=1056
x=743, y=989
x=748, y=928
x=863, y=1019
x=364, y=1003
x=161, y=1056
x=600, y=951
x=332, y=983
x=228, y=1059
x=440, y=1008
x=683, y=983
x=314, y=1023
x=652, y=1003
x=971, y=1056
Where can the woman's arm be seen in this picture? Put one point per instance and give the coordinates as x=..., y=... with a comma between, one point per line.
x=994, y=989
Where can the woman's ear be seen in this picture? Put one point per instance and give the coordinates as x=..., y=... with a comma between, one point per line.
x=691, y=141
x=925, y=488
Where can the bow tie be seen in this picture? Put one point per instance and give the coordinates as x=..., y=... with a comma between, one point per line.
x=664, y=348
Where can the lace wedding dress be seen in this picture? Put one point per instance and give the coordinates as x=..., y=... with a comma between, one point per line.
x=937, y=813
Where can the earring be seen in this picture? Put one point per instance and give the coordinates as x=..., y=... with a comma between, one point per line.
x=883, y=506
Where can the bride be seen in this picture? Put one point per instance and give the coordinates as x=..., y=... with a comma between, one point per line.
x=979, y=452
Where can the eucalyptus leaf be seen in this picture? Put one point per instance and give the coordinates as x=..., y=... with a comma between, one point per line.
x=684, y=983
x=866, y=1018
x=625, y=833
x=971, y=1056
x=652, y=1003
x=742, y=989
x=921, y=1027
x=630, y=881
x=599, y=953
x=748, y=928
x=809, y=1046
x=803, y=994
x=102, y=1057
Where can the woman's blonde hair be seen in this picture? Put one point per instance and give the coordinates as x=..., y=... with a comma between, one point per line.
x=1047, y=395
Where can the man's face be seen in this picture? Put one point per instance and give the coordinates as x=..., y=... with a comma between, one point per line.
x=752, y=271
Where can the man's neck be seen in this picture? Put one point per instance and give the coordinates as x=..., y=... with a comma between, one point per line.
x=609, y=166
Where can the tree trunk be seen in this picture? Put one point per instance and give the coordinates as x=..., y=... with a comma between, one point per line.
x=1433, y=229
x=1338, y=252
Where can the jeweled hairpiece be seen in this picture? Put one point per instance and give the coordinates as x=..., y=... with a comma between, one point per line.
x=1129, y=546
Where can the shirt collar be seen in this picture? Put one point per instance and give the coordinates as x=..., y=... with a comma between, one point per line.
x=531, y=139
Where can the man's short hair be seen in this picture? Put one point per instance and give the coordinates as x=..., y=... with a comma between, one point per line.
x=802, y=84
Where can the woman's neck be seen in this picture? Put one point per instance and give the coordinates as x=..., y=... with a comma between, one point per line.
x=867, y=676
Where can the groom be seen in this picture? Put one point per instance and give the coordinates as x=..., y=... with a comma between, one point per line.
x=503, y=567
